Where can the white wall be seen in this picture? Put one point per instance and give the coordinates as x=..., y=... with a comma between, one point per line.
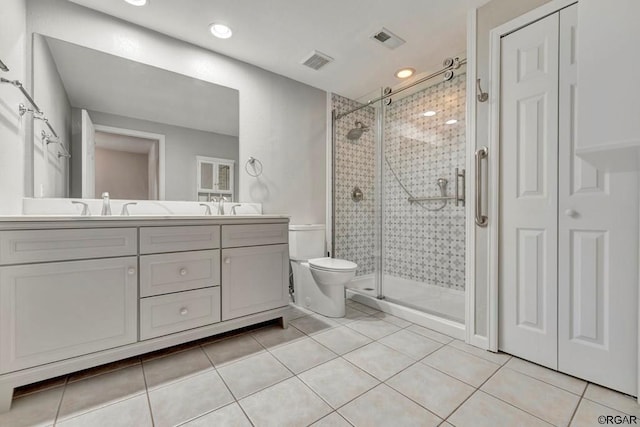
x=282, y=122
x=182, y=145
x=12, y=128
x=609, y=101
x=50, y=172
x=489, y=16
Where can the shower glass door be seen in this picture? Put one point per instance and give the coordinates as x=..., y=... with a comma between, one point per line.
x=396, y=153
x=423, y=228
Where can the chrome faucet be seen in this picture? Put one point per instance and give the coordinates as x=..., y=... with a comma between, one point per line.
x=85, y=207
x=106, y=206
x=233, y=209
x=208, y=210
x=221, y=201
x=125, y=208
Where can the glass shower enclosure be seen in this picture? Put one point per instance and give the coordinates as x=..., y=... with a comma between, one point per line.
x=398, y=193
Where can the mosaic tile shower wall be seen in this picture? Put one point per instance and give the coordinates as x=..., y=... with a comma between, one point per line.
x=421, y=245
x=355, y=166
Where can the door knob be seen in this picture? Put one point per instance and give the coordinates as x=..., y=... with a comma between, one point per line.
x=183, y=271
x=571, y=213
x=184, y=311
x=131, y=271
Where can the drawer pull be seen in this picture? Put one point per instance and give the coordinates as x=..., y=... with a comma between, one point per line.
x=184, y=311
x=131, y=271
x=183, y=271
x=227, y=260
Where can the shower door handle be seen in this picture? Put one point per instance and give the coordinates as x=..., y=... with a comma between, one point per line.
x=481, y=153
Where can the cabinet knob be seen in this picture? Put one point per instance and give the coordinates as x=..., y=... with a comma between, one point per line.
x=183, y=271
x=227, y=260
x=571, y=213
x=184, y=311
x=131, y=271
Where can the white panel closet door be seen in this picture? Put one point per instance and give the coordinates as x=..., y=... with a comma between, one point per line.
x=529, y=193
x=597, y=245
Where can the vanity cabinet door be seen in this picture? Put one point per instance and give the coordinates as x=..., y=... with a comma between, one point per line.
x=254, y=279
x=59, y=310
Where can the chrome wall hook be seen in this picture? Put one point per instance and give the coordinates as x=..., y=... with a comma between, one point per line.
x=482, y=96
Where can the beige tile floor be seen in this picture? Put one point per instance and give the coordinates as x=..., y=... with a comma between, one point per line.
x=368, y=369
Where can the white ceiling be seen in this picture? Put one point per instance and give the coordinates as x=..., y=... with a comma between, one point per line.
x=101, y=82
x=278, y=35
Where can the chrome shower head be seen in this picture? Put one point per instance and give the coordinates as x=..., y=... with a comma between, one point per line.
x=355, y=133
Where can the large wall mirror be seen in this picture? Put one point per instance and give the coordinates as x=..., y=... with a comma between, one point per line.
x=133, y=130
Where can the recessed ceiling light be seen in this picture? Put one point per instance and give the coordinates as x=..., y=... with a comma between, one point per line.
x=137, y=2
x=405, y=73
x=451, y=122
x=221, y=31
x=429, y=113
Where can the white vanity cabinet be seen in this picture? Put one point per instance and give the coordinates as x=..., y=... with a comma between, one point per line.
x=54, y=310
x=77, y=293
x=180, y=289
x=255, y=268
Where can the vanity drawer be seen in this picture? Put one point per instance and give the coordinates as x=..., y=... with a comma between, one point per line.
x=174, y=239
x=181, y=271
x=234, y=236
x=167, y=314
x=28, y=246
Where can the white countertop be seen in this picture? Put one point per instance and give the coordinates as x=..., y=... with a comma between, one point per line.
x=58, y=218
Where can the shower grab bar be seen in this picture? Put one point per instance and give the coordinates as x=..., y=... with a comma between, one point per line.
x=458, y=197
x=481, y=153
x=427, y=199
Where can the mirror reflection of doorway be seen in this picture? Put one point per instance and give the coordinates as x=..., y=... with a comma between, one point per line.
x=126, y=163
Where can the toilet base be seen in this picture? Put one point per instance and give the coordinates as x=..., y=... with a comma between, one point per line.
x=329, y=301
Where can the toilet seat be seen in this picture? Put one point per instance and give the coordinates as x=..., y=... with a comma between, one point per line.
x=332, y=264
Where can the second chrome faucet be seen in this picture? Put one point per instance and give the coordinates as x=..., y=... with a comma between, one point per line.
x=106, y=205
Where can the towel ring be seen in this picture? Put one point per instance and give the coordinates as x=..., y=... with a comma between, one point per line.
x=256, y=165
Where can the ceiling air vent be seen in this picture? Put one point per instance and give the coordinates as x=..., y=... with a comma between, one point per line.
x=317, y=60
x=387, y=38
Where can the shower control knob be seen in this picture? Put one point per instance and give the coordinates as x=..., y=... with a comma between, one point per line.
x=571, y=213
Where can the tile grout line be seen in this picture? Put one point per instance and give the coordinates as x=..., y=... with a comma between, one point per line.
x=477, y=389
x=64, y=389
x=480, y=357
x=332, y=412
x=300, y=379
x=146, y=389
x=404, y=395
x=352, y=399
x=575, y=410
x=546, y=382
x=604, y=404
x=236, y=401
x=509, y=403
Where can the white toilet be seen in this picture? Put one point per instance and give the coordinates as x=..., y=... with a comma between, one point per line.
x=319, y=282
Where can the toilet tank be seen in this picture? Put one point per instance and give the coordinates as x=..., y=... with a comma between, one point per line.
x=306, y=241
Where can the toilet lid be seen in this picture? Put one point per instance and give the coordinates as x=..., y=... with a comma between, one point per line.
x=332, y=264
